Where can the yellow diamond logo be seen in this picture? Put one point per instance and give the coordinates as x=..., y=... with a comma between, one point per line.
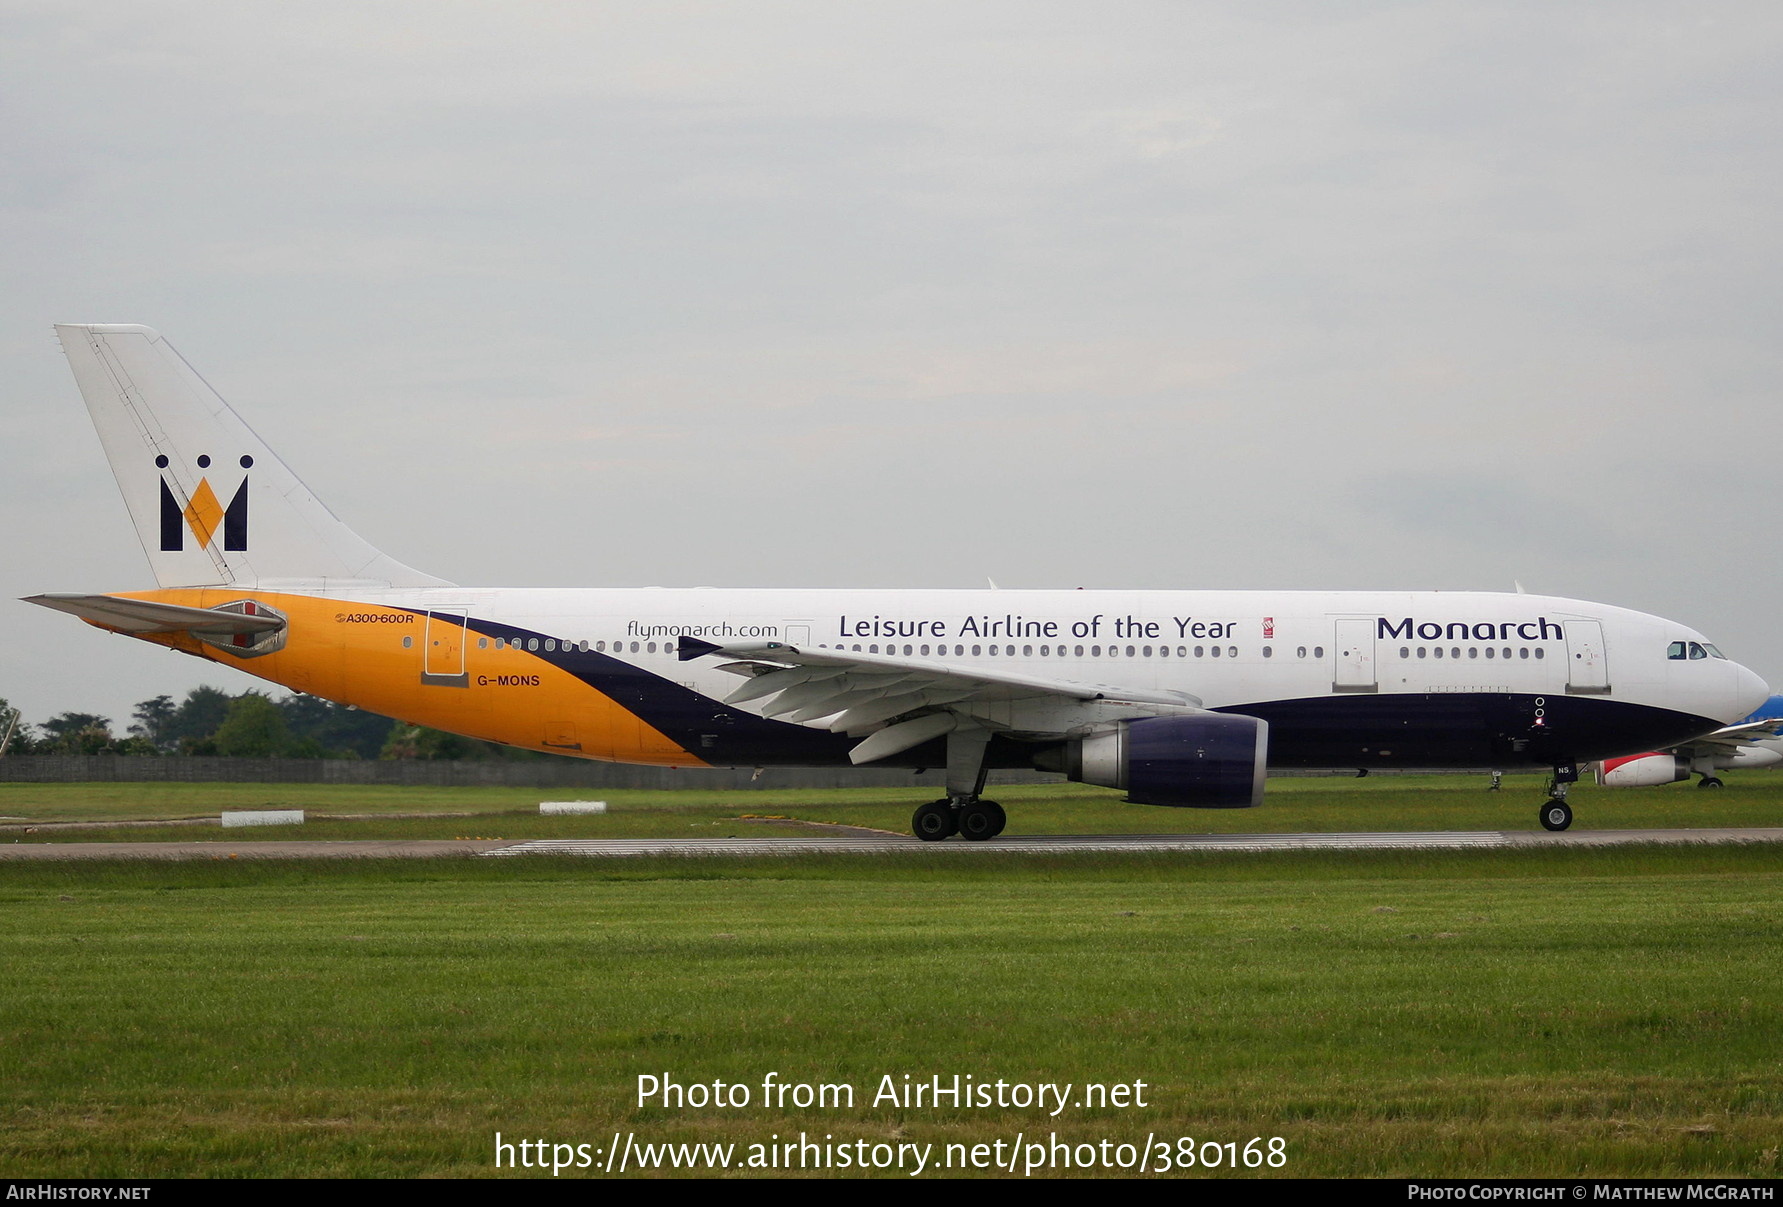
x=204, y=513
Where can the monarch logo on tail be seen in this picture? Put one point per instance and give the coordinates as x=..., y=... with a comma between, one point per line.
x=204, y=514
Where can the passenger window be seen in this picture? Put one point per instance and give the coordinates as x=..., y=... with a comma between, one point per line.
x=1198, y=651
x=1027, y=651
x=1523, y=653
x=1437, y=651
x=1473, y=651
x=1318, y=651
x=651, y=647
x=1269, y=652
x=1129, y=651
x=1540, y=653
x=408, y=643
x=1216, y=651
x=1405, y=652
x=1490, y=652
x=1078, y=651
x=1420, y=651
x=1231, y=651
x=599, y=646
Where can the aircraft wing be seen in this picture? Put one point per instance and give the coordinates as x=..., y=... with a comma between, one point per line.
x=137, y=616
x=1730, y=739
x=896, y=703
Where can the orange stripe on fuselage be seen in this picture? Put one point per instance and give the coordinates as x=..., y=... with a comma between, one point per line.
x=364, y=663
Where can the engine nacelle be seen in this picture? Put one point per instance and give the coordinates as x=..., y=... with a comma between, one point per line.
x=1642, y=771
x=1207, y=761
x=1766, y=755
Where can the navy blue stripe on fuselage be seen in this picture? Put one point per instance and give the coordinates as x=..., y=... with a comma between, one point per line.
x=1475, y=729
x=700, y=725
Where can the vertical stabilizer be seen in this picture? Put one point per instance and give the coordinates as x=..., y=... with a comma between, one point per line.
x=212, y=504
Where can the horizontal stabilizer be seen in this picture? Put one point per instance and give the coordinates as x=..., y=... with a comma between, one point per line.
x=144, y=616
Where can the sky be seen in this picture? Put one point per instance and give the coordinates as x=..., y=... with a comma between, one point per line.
x=1159, y=295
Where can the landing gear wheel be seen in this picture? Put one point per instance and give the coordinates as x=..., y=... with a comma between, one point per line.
x=934, y=821
x=1557, y=815
x=982, y=819
x=1709, y=781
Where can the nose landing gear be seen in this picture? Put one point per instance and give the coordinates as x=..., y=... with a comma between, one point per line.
x=1556, y=814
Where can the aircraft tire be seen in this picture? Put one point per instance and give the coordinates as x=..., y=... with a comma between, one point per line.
x=934, y=821
x=981, y=820
x=1709, y=781
x=1556, y=815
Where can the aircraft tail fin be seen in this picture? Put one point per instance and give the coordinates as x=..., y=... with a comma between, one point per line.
x=211, y=503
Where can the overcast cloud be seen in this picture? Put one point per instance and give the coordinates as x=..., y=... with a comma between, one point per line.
x=834, y=294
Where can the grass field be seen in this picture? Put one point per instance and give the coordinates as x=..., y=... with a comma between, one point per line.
x=1492, y=1013
x=1433, y=802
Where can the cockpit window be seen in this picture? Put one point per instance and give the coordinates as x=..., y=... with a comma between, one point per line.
x=1697, y=651
x=1713, y=652
x=1675, y=651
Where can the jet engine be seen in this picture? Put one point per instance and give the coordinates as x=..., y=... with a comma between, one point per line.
x=1642, y=771
x=1205, y=761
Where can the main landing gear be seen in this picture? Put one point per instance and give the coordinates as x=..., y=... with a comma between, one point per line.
x=1556, y=814
x=974, y=820
x=962, y=811
x=1708, y=781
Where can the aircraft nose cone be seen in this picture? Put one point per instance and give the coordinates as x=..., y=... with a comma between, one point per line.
x=1750, y=690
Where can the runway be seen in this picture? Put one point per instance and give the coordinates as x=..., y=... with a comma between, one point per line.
x=857, y=843
x=1055, y=844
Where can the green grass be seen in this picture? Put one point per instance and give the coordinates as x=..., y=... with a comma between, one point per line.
x=1521, y=1013
x=1434, y=802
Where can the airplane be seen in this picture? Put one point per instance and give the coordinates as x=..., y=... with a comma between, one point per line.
x=1182, y=698
x=1751, y=742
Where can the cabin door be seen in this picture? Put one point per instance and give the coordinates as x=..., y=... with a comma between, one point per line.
x=442, y=649
x=1353, y=646
x=1587, y=670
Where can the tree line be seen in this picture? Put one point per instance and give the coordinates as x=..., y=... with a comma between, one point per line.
x=211, y=722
